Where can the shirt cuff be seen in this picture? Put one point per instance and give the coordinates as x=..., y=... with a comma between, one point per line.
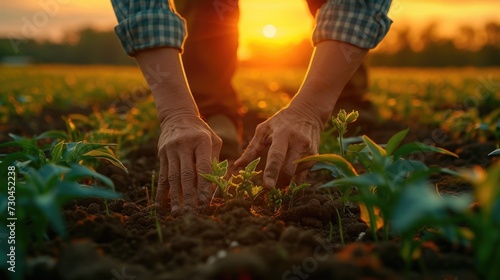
x=360, y=23
x=151, y=25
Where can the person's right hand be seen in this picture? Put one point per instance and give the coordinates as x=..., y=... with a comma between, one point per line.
x=186, y=148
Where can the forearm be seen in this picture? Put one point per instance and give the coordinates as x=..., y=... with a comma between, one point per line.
x=332, y=65
x=162, y=68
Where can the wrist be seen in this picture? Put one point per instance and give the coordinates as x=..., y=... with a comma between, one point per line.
x=318, y=105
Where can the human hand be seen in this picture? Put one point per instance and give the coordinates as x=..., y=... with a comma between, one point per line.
x=186, y=148
x=290, y=134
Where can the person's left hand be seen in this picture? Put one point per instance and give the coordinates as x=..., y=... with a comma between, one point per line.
x=290, y=134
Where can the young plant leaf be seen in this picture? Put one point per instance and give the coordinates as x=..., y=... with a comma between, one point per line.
x=219, y=169
x=252, y=165
x=53, y=134
x=343, y=165
x=374, y=148
x=420, y=147
x=494, y=153
x=78, y=172
x=24, y=144
x=364, y=180
x=69, y=190
x=418, y=203
x=106, y=155
x=47, y=205
x=57, y=151
x=395, y=140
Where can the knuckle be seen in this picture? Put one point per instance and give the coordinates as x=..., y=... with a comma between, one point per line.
x=174, y=178
x=216, y=140
x=272, y=171
x=276, y=158
x=260, y=128
x=204, y=167
x=187, y=175
x=303, y=142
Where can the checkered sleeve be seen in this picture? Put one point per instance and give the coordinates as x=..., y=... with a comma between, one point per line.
x=362, y=23
x=145, y=24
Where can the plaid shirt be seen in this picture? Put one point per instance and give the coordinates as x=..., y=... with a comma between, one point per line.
x=144, y=24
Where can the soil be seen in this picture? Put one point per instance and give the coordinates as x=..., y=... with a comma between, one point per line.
x=238, y=240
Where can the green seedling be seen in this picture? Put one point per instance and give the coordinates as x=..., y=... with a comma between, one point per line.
x=489, y=125
x=240, y=185
x=39, y=198
x=293, y=190
x=274, y=200
x=468, y=125
x=127, y=130
x=276, y=197
x=454, y=219
x=420, y=206
x=340, y=126
x=344, y=146
x=494, y=153
x=63, y=153
x=387, y=174
x=485, y=223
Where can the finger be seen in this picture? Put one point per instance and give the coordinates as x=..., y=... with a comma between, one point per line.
x=289, y=166
x=203, y=166
x=300, y=177
x=216, y=147
x=188, y=179
x=162, y=194
x=173, y=178
x=275, y=160
x=255, y=147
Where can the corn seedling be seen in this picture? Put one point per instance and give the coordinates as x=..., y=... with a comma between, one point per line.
x=63, y=153
x=387, y=175
x=470, y=125
x=484, y=224
x=41, y=194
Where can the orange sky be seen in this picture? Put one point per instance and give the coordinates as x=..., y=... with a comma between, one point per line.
x=29, y=18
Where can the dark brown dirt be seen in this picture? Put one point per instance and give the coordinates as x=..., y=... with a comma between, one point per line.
x=238, y=240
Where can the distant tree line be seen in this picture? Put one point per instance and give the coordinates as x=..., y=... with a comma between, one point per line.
x=469, y=47
x=86, y=46
x=403, y=47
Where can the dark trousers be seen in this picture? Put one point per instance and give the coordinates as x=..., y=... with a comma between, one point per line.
x=210, y=56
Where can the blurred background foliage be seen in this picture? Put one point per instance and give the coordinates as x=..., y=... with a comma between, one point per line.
x=403, y=47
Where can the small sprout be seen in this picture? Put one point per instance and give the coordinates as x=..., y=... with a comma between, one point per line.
x=219, y=169
x=494, y=153
x=352, y=117
x=340, y=125
x=342, y=115
x=274, y=199
x=237, y=186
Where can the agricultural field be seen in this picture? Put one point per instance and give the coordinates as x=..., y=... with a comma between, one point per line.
x=406, y=191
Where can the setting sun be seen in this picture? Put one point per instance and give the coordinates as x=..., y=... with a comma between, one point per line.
x=269, y=31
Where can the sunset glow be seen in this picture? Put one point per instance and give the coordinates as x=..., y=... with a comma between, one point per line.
x=269, y=31
x=291, y=19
